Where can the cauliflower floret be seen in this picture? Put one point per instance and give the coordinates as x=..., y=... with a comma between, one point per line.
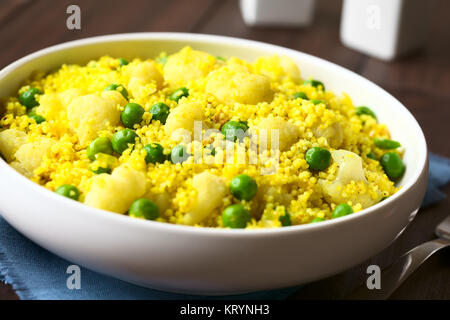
x=279, y=196
x=349, y=170
x=183, y=117
x=50, y=106
x=91, y=113
x=68, y=95
x=334, y=134
x=143, y=74
x=230, y=85
x=30, y=154
x=210, y=191
x=162, y=200
x=10, y=141
x=16, y=165
x=116, y=192
x=277, y=68
x=350, y=166
x=187, y=65
x=288, y=133
x=53, y=106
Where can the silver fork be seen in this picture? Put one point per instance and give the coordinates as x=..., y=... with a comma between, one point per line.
x=394, y=275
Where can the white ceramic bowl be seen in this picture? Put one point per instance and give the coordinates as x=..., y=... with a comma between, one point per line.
x=205, y=260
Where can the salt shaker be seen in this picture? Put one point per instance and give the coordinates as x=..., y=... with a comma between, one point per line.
x=384, y=29
x=288, y=13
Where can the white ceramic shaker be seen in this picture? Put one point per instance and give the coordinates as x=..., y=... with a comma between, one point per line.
x=283, y=13
x=384, y=29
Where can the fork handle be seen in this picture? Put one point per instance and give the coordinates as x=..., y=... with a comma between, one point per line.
x=394, y=275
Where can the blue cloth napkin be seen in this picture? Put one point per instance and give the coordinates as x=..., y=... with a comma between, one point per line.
x=35, y=273
x=438, y=176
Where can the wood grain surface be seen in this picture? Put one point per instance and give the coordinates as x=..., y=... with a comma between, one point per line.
x=421, y=81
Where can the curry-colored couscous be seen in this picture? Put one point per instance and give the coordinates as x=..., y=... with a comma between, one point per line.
x=195, y=139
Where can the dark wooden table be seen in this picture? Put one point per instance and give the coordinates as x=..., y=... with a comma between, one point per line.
x=421, y=81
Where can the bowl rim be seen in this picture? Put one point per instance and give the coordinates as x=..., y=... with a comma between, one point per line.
x=223, y=232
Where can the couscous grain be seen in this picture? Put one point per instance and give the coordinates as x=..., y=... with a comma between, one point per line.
x=173, y=140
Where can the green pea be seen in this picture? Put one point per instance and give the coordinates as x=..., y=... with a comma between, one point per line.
x=28, y=98
x=160, y=111
x=123, y=62
x=179, y=154
x=314, y=83
x=341, y=210
x=69, y=191
x=212, y=150
x=383, y=143
x=162, y=59
x=393, y=165
x=37, y=118
x=300, y=95
x=99, y=145
x=372, y=155
x=220, y=58
x=318, y=101
x=101, y=170
x=117, y=87
x=131, y=115
x=243, y=187
x=365, y=110
x=235, y=216
x=179, y=93
x=122, y=139
x=155, y=153
x=317, y=219
x=144, y=209
x=285, y=219
x=318, y=158
x=234, y=130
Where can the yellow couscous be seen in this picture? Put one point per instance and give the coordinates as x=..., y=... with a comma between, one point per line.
x=196, y=139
